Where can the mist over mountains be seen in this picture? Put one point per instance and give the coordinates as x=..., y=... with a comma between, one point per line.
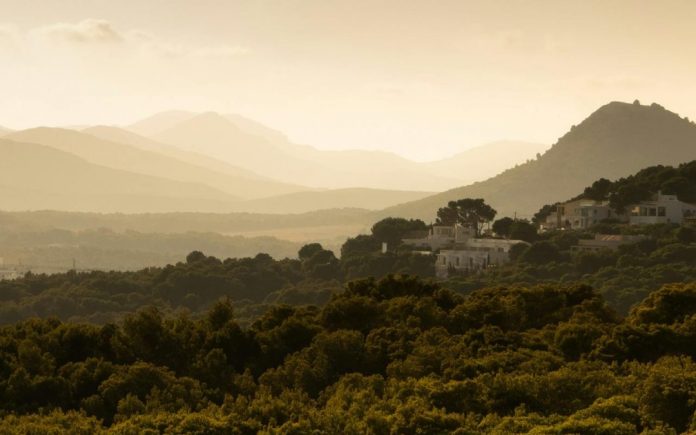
x=210, y=162
x=231, y=183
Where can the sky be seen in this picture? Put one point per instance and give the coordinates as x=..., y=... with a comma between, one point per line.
x=420, y=78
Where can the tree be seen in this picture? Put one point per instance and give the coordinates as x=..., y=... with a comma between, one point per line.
x=543, y=213
x=600, y=190
x=540, y=253
x=523, y=230
x=360, y=245
x=470, y=212
x=502, y=226
x=307, y=251
x=392, y=230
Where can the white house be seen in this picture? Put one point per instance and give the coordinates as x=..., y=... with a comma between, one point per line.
x=661, y=209
x=474, y=254
x=579, y=214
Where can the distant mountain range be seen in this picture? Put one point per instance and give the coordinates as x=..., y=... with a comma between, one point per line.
x=217, y=136
x=35, y=177
x=616, y=140
x=237, y=164
x=248, y=144
x=225, y=173
x=236, y=182
x=138, y=174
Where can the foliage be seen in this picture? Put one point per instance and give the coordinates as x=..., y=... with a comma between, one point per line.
x=396, y=355
x=468, y=212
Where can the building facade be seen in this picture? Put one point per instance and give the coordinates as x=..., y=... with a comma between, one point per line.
x=661, y=209
x=474, y=255
x=579, y=215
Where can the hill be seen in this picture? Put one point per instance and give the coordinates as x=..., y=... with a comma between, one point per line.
x=615, y=141
x=34, y=177
x=301, y=202
x=4, y=131
x=263, y=150
x=482, y=162
x=334, y=224
x=272, y=155
x=236, y=182
x=159, y=122
x=123, y=136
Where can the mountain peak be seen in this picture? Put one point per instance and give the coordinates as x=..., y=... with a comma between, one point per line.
x=209, y=117
x=620, y=108
x=616, y=140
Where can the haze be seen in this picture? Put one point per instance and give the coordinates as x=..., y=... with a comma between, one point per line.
x=420, y=79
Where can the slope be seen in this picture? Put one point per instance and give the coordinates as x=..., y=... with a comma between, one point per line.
x=36, y=177
x=482, y=162
x=302, y=202
x=159, y=122
x=616, y=140
x=123, y=136
x=115, y=155
x=215, y=135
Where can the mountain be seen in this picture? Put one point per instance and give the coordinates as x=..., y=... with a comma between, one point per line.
x=302, y=202
x=236, y=182
x=123, y=136
x=272, y=155
x=616, y=140
x=34, y=177
x=159, y=122
x=4, y=131
x=484, y=161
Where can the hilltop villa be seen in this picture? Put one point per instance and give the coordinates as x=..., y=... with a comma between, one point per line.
x=583, y=213
x=459, y=250
x=661, y=209
x=579, y=214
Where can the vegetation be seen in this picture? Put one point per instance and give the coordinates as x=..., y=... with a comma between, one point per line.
x=398, y=355
x=556, y=341
x=624, y=277
x=194, y=285
x=679, y=181
x=469, y=212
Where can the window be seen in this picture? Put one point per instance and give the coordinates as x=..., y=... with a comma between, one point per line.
x=457, y=261
x=661, y=211
x=652, y=211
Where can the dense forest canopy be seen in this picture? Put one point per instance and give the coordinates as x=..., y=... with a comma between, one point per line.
x=398, y=355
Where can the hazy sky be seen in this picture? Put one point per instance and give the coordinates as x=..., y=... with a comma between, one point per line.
x=421, y=78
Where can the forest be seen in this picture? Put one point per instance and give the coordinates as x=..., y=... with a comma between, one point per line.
x=396, y=355
x=557, y=341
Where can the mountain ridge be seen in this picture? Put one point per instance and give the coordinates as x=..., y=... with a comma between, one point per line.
x=133, y=159
x=69, y=182
x=614, y=141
